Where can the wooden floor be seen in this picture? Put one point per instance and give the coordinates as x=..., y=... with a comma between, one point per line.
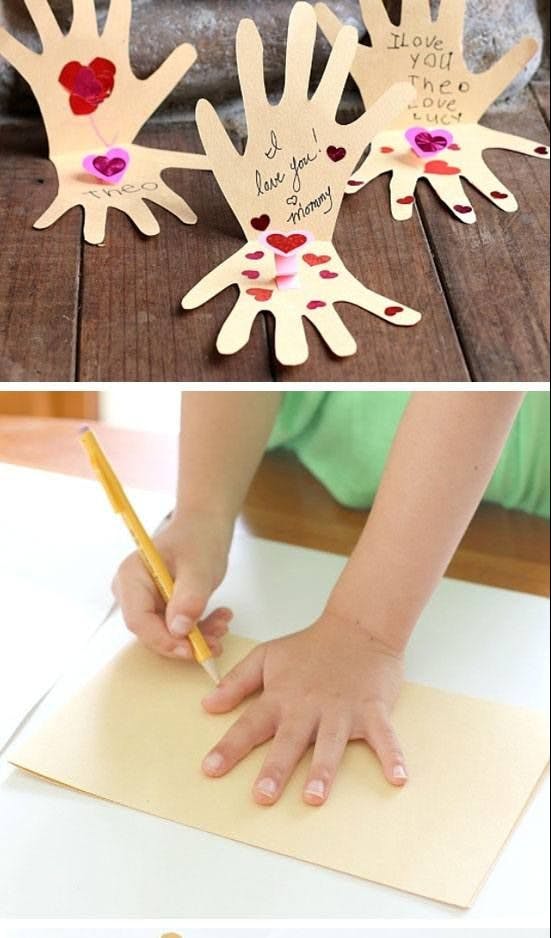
x=502, y=548
x=72, y=312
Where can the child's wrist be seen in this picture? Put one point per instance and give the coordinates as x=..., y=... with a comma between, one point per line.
x=393, y=639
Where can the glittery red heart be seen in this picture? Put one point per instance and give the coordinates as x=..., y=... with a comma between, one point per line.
x=286, y=243
x=109, y=167
x=315, y=304
x=407, y=200
x=387, y=149
x=260, y=294
x=327, y=275
x=441, y=168
x=255, y=256
x=499, y=195
x=393, y=310
x=542, y=150
x=314, y=260
x=250, y=274
x=260, y=223
x=354, y=182
x=463, y=209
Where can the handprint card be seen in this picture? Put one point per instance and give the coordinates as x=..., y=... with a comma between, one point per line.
x=439, y=136
x=93, y=108
x=286, y=190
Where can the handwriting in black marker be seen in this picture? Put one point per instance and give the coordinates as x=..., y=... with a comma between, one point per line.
x=274, y=147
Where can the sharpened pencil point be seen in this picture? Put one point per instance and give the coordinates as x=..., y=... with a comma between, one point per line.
x=210, y=667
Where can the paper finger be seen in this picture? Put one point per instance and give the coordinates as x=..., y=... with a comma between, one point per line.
x=489, y=185
x=334, y=332
x=173, y=203
x=391, y=311
x=143, y=218
x=450, y=190
x=236, y=331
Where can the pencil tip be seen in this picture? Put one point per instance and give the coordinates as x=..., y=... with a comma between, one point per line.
x=84, y=429
x=210, y=667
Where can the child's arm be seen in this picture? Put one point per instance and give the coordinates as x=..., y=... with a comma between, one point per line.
x=222, y=440
x=340, y=678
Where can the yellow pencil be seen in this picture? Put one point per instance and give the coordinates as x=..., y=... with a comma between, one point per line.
x=147, y=550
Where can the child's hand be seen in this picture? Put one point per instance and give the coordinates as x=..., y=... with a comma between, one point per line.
x=195, y=549
x=326, y=685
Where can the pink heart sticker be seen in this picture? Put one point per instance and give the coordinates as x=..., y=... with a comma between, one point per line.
x=110, y=167
x=425, y=143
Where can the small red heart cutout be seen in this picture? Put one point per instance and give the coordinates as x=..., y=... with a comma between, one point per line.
x=315, y=304
x=260, y=223
x=314, y=260
x=387, y=149
x=499, y=195
x=255, y=256
x=393, y=310
x=286, y=243
x=259, y=294
x=250, y=274
x=454, y=146
x=407, y=200
x=355, y=182
x=441, y=168
x=336, y=154
x=462, y=209
x=327, y=275
x=543, y=151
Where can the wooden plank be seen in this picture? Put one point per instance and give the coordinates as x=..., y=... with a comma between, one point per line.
x=132, y=327
x=83, y=405
x=496, y=273
x=39, y=270
x=393, y=259
x=540, y=90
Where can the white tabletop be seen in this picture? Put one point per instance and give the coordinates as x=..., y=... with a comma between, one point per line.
x=70, y=855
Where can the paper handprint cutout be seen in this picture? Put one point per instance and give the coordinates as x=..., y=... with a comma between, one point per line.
x=93, y=108
x=287, y=189
x=439, y=137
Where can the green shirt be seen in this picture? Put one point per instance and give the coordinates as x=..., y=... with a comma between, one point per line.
x=343, y=438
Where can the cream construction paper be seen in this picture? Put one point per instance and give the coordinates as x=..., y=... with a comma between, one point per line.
x=93, y=108
x=439, y=138
x=136, y=735
x=55, y=577
x=286, y=191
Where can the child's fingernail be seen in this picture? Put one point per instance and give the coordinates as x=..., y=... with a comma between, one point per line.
x=213, y=762
x=266, y=786
x=181, y=625
x=182, y=651
x=315, y=789
x=399, y=772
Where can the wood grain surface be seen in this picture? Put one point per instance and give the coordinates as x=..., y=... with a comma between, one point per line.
x=73, y=312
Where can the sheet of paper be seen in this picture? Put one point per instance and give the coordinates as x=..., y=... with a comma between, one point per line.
x=471, y=639
x=136, y=735
x=60, y=547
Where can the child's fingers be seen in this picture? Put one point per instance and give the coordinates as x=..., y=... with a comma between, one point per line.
x=191, y=594
x=331, y=742
x=243, y=680
x=252, y=729
x=383, y=740
x=217, y=623
x=139, y=601
x=290, y=743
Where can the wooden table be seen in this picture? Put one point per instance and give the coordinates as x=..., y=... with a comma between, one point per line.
x=502, y=548
x=72, y=312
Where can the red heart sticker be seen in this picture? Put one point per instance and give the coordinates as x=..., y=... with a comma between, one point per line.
x=314, y=260
x=387, y=149
x=441, y=168
x=463, y=209
x=393, y=310
x=407, y=200
x=255, y=256
x=286, y=243
x=108, y=167
x=260, y=223
x=315, y=304
x=260, y=294
x=336, y=154
x=250, y=274
x=355, y=182
x=499, y=195
x=328, y=275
